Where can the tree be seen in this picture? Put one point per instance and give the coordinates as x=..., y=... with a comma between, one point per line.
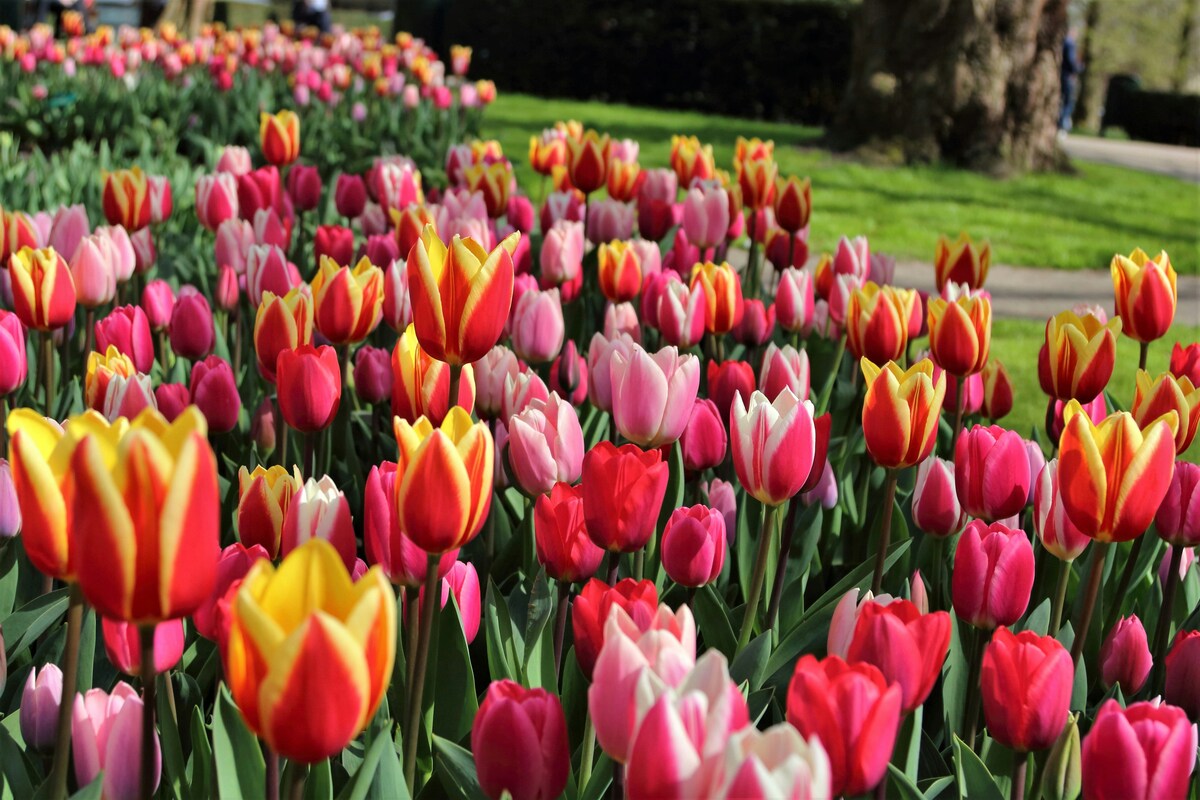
x=971, y=82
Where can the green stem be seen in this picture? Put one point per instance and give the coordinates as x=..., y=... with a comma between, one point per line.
x=428, y=611
x=766, y=534
x=785, y=550
x=1060, y=597
x=412, y=624
x=48, y=372
x=1163, y=629
x=70, y=670
x=585, y=758
x=639, y=564
x=455, y=376
x=1095, y=573
x=560, y=625
x=149, y=701
x=971, y=721
x=1143, y=352
x=959, y=405
x=885, y=535
x=827, y=389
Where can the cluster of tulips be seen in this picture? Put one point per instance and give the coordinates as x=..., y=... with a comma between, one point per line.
x=530, y=434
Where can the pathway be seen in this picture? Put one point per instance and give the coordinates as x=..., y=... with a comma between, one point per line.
x=1164, y=159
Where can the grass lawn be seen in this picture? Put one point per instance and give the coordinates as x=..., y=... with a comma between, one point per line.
x=1065, y=221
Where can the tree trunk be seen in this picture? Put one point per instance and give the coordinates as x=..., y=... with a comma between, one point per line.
x=1089, y=89
x=1179, y=80
x=971, y=82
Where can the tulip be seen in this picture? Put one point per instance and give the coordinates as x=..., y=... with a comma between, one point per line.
x=793, y=203
x=161, y=200
x=1113, y=477
x=348, y=303
x=935, y=506
x=310, y=386
x=722, y=293
x=492, y=181
x=588, y=161
x=304, y=187
x=279, y=137
x=69, y=226
x=216, y=199
x=1125, y=656
x=690, y=160
x=1145, y=294
x=1154, y=397
x=624, y=179
x=43, y=291
x=235, y=237
x=1054, y=528
x=395, y=184
x=490, y=373
x=908, y=647
x=547, y=151
x=992, y=575
x=322, y=625
x=1025, y=683
x=568, y=375
x=997, y=390
x=191, y=328
x=961, y=262
x=10, y=510
x=653, y=394
x=991, y=472
x=773, y=445
x=93, y=273
x=13, y=360
x=212, y=617
x=372, y=375
x=877, y=322
x=693, y=545
x=281, y=323
x=592, y=608
x=623, y=491
x=562, y=542
x=101, y=369
x=40, y=701
x=127, y=397
x=145, y=254
x=728, y=380
x=681, y=312
x=126, y=198
x=1185, y=362
x=123, y=647
x=1183, y=664
x=1077, y=358
x=900, y=412
x=599, y=360
x=124, y=257
x=621, y=319
x=545, y=445
x=318, y=510
x=683, y=255
x=421, y=385
x=397, y=307
x=784, y=368
x=960, y=333
x=620, y=271
x=538, y=331
x=171, y=399
x=214, y=390
x=1145, y=751
x=335, y=242
x=561, y=205
x=853, y=712
x=106, y=736
x=350, y=195
x=387, y=545
x=227, y=292
x=1178, y=518
x=519, y=742
x=706, y=215
x=777, y=762
x=561, y=257
x=234, y=160
x=704, y=439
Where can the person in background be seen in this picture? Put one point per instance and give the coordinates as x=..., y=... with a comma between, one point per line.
x=312, y=12
x=1069, y=78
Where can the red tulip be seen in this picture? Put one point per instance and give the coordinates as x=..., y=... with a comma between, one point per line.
x=191, y=328
x=211, y=619
x=1144, y=752
x=172, y=399
x=519, y=742
x=334, y=241
x=563, y=545
x=623, y=491
x=908, y=647
x=1125, y=656
x=350, y=195
x=310, y=386
x=727, y=379
x=1183, y=673
x=693, y=545
x=704, y=439
x=590, y=611
x=993, y=575
x=1025, y=683
x=304, y=187
x=1185, y=362
x=935, y=506
x=214, y=391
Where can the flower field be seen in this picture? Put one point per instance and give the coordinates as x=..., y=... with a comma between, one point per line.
x=711, y=507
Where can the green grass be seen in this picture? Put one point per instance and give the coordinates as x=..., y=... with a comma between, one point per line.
x=1065, y=221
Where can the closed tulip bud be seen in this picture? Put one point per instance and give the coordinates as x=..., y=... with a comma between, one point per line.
x=191, y=328
x=519, y=742
x=128, y=396
x=492, y=181
x=1125, y=656
x=793, y=203
x=704, y=439
x=1183, y=673
x=756, y=177
x=69, y=226
x=568, y=375
x=264, y=497
x=860, y=745
x=1078, y=356
x=653, y=394
x=234, y=160
x=777, y=762
x=706, y=215
x=126, y=198
x=100, y=371
x=13, y=360
x=122, y=645
x=1113, y=476
x=1145, y=751
x=214, y=390
x=212, y=617
x=728, y=380
x=490, y=373
x=935, y=506
x=683, y=255
x=10, y=507
x=1178, y=517
x=319, y=510
x=961, y=262
x=838, y=306
x=997, y=390
x=623, y=491
x=599, y=360
x=547, y=151
x=93, y=272
x=281, y=323
x=310, y=386
x=784, y=368
x=908, y=647
x=722, y=294
x=537, y=331
x=381, y=250
x=960, y=333
x=1145, y=294
x=397, y=306
x=1061, y=778
x=1025, y=682
x=693, y=545
x=350, y=195
x=43, y=291
x=346, y=634
x=1185, y=362
x=372, y=375
x=262, y=426
x=877, y=321
x=901, y=411
x=991, y=472
x=171, y=399
x=386, y=543
x=588, y=160
x=757, y=325
x=786, y=251
x=561, y=257
x=1154, y=397
x=216, y=199
x=774, y=445
x=520, y=390
x=304, y=187
x=106, y=736
x=462, y=581
x=39, y=707
x=624, y=177
x=545, y=445
x=1054, y=528
x=563, y=545
x=621, y=319
x=620, y=271
x=992, y=576
x=561, y=205
x=690, y=160
x=593, y=607
x=279, y=137
x=348, y=302
x=335, y=242
x=227, y=292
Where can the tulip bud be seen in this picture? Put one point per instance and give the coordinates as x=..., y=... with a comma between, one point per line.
x=350, y=195
x=992, y=576
x=227, y=291
x=784, y=367
x=537, y=329
x=106, y=737
x=309, y=381
x=520, y=390
x=39, y=707
x=372, y=375
x=775, y=466
x=653, y=394
x=622, y=319
x=1183, y=673
x=214, y=390
x=1145, y=293
x=319, y=510
x=127, y=397
x=191, y=328
x=693, y=545
x=93, y=272
x=623, y=490
x=704, y=439
x=519, y=742
x=122, y=643
x=935, y=506
x=334, y=241
x=1061, y=779
x=1142, y=752
x=13, y=358
x=991, y=472
x=304, y=187
x=568, y=374
x=728, y=380
x=1125, y=656
x=386, y=544
x=171, y=399
x=216, y=199
x=1185, y=362
x=212, y=617
x=10, y=509
x=908, y=647
x=69, y=226
x=997, y=390
x=545, y=445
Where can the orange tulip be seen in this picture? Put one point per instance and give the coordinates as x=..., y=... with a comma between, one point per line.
x=348, y=302
x=421, y=384
x=145, y=531
x=42, y=288
x=126, y=199
x=960, y=333
x=722, y=295
x=279, y=136
x=1154, y=397
x=1145, y=293
x=587, y=161
x=1113, y=476
x=263, y=499
x=793, y=203
x=901, y=411
x=877, y=321
x=624, y=178
x=756, y=177
x=492, y=180
x=101, y=369
x=446, y=489
x=1078, y=356
x=461, y=295
x=961, y=262
x=310, y=651
x=691, y=161
x=282, y=323
x=620, y=271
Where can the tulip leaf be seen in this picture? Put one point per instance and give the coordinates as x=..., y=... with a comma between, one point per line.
x=1038, y=620
x=93, y=791
x=502, y=655
x=673, y=498
x=199, y=768
x=319, y=783
x=455, y=700
x=901, y=786
x=759, y=703
x=748, y=666
x=379, y=774
x=168, y=736
x=974, y=780
x=935, y=789
x=241, y=771
x=15, y=767
x=9, y=573
x=87, y=649
x=539, y=634
x=456, y=770
x=23, y=627
x=712, y=620
x=601, y=778
x=954, y=674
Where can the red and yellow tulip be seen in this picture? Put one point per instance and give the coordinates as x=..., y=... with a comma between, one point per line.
x=263, y=499
x=1113, y=476
x=877, y=321
x=1145, y=294
x=461, y=295
x=901, y=411
x=1078, y=356
x=962, y=261
x=747, y=149
x=547, y=152
x=691, y=160
x=793, y=203
x=408, y=224
x=145, y=531
x=446, y=491
x=42, y=287
x=348, y=301
x=282, y=323
x=722, y=295
x=620, y=271
x=126, y=198
x=587, y=160
x=310, y=651
x=279, y=136
x=624, y=178
x=421, y=384
x=1154, y=397
x=960, y=333
x=101, y=369
x=492, y=180
x=756, y=177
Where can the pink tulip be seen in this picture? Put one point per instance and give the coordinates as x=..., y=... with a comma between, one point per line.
x=853, y=257
x=565, y=205
x=128, y=396
x=1178, y=518
x=680, y=312
x=757, y=324
x=1125, y=656
x=463, y=582
x=704, y=439
x=1185, y=564
x=1055, y=529
x=14, y=364
x=270, y=229
x=211, y=618
x=991, y=472
x=693, y=545
x=825, y=492
x=706, y=215
x=784, y=367
x=1144, y=752
x=216, y=199
x=172, y=399
x=774, y=444
x=653, y=394
x=69, y=226
x=992, y=576
x=561, y=257
x=122, y=643
x=39, y=707
x=777, y=762
x=319, y=511
x=935, y=506
x=491, y=371
x=622, y=319
x=649, y=257
x=683, y=255
x=537, y=331
x=214, y=390
x=227, y=292
x=609, y=220
x=268, y=270
x=839, y=297
x=191, y=329
x=144, y=253
x=124, y=259
x=520, y=391
x=600, y=355
x=381, y=249
x=402, y=561
x=545, y=445
x=234, y=160
x=106, y=736
x=234, y=239
x=94, y=272
x=519, y=742
x=1183, y=673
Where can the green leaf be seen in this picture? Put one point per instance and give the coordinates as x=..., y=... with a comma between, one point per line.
x=1038, y=620
x=974, y=780
x=455, y=700
x=750, y=664
x=93, y=791
x=241, y=771
x=376, y=777
x=87, y=650
x=172, y=750
x=23, y=627
x=502, y=655
x=9, y=574
x=199, y=769
x=712, y=620
x=456, y=770
x=901, y=786
x=15, y=767
x=319, y=783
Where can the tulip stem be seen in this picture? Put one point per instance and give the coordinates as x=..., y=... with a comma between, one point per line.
x=614, y=567
x=1163, y=629
x=971, y=720
x=89, y=332
x=589, y=747
x=236, y=327
x=765, y=538
x=48, y=372
x=827, y=389
x=560, y=625
x=455, y=376
x=422, y=659
x=70, y=671
x=1142, y=354
x=272, y=777
x=885, y=534
x=412, y=622
x=1060, y=597
x=309, y=467
x=1020, y=765
x=1135, y=553
x=1095, y=573
x=163, y=350
x=785, y=550
x=959, y=406
x=3, y=426
x=149, y=700
x=639, y=564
